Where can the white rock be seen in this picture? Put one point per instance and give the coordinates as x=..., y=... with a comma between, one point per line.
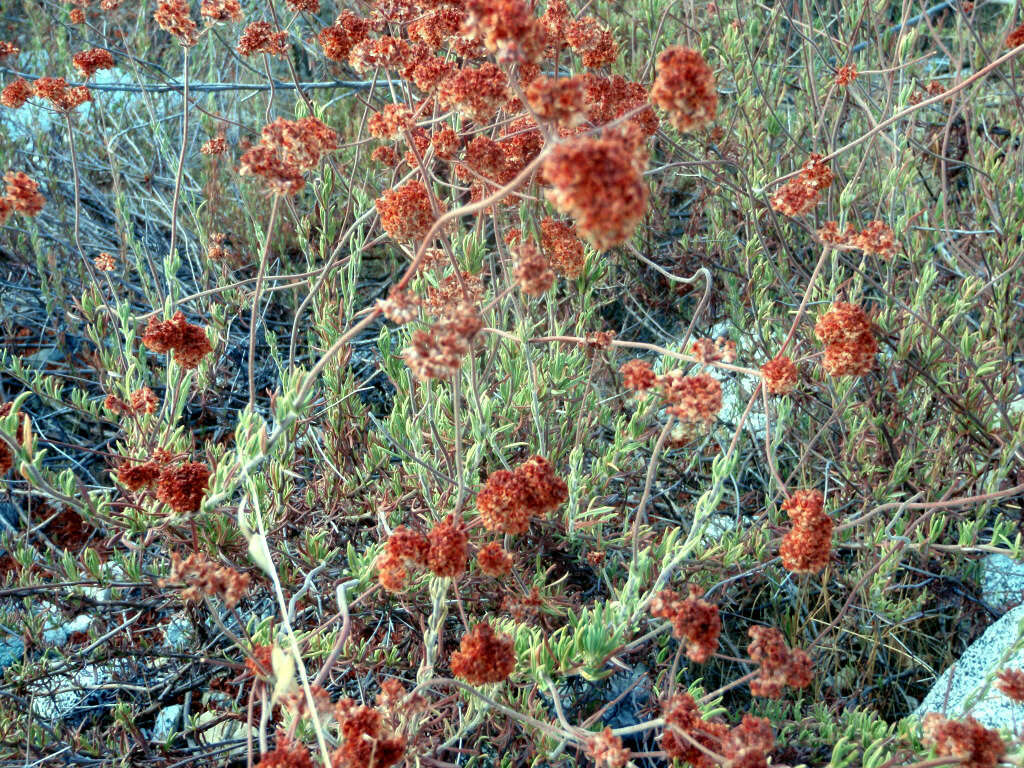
x=167, y=720
x=960, y=690
x=59, y=695
x=1002, y=584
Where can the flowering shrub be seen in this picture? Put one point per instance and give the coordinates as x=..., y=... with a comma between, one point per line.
x=500, y=382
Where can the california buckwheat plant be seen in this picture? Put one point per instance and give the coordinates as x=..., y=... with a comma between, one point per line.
x=510, y=383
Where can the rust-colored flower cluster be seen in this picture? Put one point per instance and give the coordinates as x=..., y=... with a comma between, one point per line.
x=780, y=665
x=217, y=145
x=437, y=352
x=779, y=376
x=260, y=37
x=215, y=11
x=876, y=238
x=368, y=739
x=444, y=551
x=1011, y=683
x=599, y=182
x=183, y=487
x=592, y=41
x=714, y=350
x=484, y=656
x=494, y=560
x=533, y=271
x=562, y=247
x=16, y=93
x=692, y=399
x=8, y=48
x=807, y=546
x=60, y=94
x=638, y=375
x=693, y=619
x=188, y=341
x=798, y=196
x=202, y=576
x=686, y=732
x=287, y=148
x=142, y=400
x=509, y=500
x=338, y=39
x=685, y=88
x=508, y=29
x=406, y=213
x=606, y=750
x=980, y=747
x=90, y=61
x=850, y=345
x=390, y=122
x=175, y=17
x=1016, y=37
x=561, y=100
x=475, y=93
x=21, y=195
x=286, y=754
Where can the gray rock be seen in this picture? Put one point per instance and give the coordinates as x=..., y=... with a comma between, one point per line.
x=1002, y=582
x=968, y=687
x=11, y=650
x=72, y=695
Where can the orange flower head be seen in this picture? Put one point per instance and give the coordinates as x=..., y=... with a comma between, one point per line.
x=366, y=742
x=260, y=37
x=484, y=656
x=16, y=93
x=560, y=100
x=220, y=10
x=606, y=750
x=390, y=122
x=779, y=665
x=507, y=27
x=683, y=716
x=477, y=94
x=692, y=399
x=405, y=212
x=134, y=477
x=592, y=41
x=693, y=619
x=88, y=62
x=779, y=376
x=494, y=560
x=1011, y=683
x=188, y=341
x=597, y=182
x=175, y=17
x=57, y=92
x=685, y=88
x=449, y=548
x=23, y=193
x=533, y=272
x=562, y=246
x=182, y=488
x=638, y=375
x=982, y=747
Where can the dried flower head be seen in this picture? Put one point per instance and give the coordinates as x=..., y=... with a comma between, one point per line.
x=220, y=10
x=692, y=399
x=449, y=548
x=484, y=656
x=188, y=341
x=366, y=741
x=686, y=732
x=598, y=183
x=204, y=577
x=876, y=238
x=509, y=500
x=405, y=212
x=57, y=92
x=606, y=750
x=135, y=477
x=748, y=744
x=175, y=17
x=494, y=560
x=218, y=145
x=182, y=488
x=437, y=352
x=1011, y=683
x=16, y=93
x=845, y=75
x=105, y=262
x=507, y=28
x=1016, y=37
x=779, y=664
x=779, y=376
x=685, y=88
x=400, y=307
x=477, y=94
x=638, y=375
x=693, y=619
x=592, y=41
x=303, y=6
x=286, y=754
x=850, y=345
x=88, y=62
x=143, y=400
x=390, y=122
x=8, y=49
x=339, y=39
x=980, y=747
x=563, y=248
x=808, y=545
x=714, y=350
x=561, y=100
x=801, y=194
x=260, y=37
x=286, y=149
x=533, y=272
x=23, y=193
